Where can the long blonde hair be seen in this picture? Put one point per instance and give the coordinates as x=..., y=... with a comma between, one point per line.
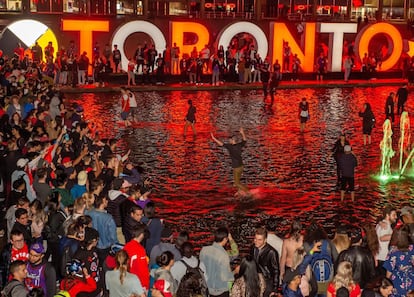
x=343, y=277
x=121, y=259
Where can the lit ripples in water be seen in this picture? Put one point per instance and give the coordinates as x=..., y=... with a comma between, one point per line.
x=294, y=173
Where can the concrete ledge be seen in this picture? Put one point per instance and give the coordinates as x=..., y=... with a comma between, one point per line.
x=227, y=86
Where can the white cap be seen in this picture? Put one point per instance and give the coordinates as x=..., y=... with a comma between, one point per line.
x=22, y=162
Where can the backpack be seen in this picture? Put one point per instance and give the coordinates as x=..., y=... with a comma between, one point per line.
x=64, y=259
x=322, y=264
x=199, y=274
x=3, y=293
x=62, y=293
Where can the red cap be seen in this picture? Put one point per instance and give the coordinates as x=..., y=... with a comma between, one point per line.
x=66, y=160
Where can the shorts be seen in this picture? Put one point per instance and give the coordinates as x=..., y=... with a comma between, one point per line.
x=347, y=181
x=303, y=120
x=124, y=115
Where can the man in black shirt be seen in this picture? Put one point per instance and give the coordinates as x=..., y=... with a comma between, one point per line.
x=235, y=151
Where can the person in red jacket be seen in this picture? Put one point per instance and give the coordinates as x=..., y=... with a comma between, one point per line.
x=77, y=279
x=138, y=263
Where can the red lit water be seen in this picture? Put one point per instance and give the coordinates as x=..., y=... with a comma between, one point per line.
x=293, y=173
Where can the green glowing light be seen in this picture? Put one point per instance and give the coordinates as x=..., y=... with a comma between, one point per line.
x=386, y=149
x=384, y=177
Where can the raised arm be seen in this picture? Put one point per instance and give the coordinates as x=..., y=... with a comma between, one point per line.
x=216, y=140
x=242, y=134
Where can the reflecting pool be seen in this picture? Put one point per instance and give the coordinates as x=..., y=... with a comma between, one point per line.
x=293, y=173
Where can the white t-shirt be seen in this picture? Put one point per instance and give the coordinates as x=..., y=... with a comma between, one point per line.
x=132, y=100
x=276, y=242
x=383, y=228
x=131, y=285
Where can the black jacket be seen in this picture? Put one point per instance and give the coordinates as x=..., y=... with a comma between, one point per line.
x=267, y=260
x=363, y=264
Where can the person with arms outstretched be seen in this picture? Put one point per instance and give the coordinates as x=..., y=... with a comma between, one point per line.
x=235, y=151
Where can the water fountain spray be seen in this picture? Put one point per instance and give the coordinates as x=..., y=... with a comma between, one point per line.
x=405, y=138
x=386, y=149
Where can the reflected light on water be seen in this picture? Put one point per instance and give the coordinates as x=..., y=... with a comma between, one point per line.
x=292, y=174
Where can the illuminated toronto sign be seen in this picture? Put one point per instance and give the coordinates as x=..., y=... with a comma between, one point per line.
x=271, y=45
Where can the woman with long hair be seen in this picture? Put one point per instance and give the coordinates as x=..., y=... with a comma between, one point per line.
x=399, y=263
x=368, y=122
x=120, y=282
x=249, y=283
x=343, y=278
x=372, y=243
x=293, y=242
x=38, y=218
x=379, y=287
x=166, y=261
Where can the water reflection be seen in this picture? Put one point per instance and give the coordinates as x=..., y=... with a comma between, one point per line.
x=293, y=172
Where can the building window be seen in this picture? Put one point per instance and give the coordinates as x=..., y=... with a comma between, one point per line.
x=12, y=5
x=125, y=7
x=177, y=8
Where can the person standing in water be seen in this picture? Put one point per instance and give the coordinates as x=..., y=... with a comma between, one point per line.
x=235, y=151
x=337, y=151
x=190, y=118
x=368, y=122
x=303, y=113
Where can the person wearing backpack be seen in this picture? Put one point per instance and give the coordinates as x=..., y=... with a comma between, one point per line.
x=189, y=264
x=68, y=245
x=322, y=262
x=16, y=287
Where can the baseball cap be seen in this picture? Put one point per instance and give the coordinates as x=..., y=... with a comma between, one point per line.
x=163, y=286
x=22, y=162
x=82, y=177
x=66, y=160
x=406, y=210
x=347, y=148
x=290, y=274
x=38, y=248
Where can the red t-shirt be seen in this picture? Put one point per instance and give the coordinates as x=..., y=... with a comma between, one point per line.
x=354, y=291
x=22, y=254
x=138, y=262
x=125, y=103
